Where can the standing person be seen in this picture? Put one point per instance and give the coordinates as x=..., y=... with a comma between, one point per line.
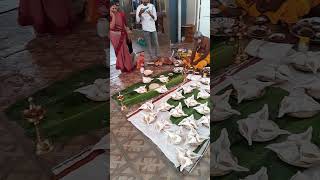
x=118, y=37
x=46, y=16
x=146, y=14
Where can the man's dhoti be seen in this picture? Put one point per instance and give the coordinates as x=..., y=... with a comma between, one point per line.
x=200, y=65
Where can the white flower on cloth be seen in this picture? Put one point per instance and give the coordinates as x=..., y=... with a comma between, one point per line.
x=222, y=161
x=204, y=120
x=161, y=125
x=174, y=138
x=163, y=79
x=165, y=107
x=312, y=87
x=260, y=175
x=141, y=90
x=310, y=174
x=162, y=89
x=177, y=111
x=146, y=80
x=203, y=109
x=189, y=122
x=191, y=102
x=194, y=139
x=298, y=104
x=150, y=117
x=203, y=94
x=257, y=127
x=185, y=157
x=275, y=73
x=221, y=107
x=249, y=89
x=205, y=81
x=177, y=95
x=298, y=150
x=308, y=61
x=187, y=89
x=148, y=106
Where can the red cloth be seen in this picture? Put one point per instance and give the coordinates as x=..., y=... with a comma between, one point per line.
x=46, y=16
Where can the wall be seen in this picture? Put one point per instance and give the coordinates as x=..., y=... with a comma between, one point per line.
x=191, y=9
x=205, y=18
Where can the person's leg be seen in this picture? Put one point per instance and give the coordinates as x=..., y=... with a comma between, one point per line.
x=156, y=43
x=147, y=38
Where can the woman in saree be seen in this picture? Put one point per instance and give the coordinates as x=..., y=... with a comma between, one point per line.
x=118, y=37
x=285, y=11
x=46, y=16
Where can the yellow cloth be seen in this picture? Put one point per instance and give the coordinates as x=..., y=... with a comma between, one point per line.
x=289, y=12
x=203, y=63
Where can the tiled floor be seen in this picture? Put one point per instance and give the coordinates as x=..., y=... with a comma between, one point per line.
x=133, y=155
x=28, y=64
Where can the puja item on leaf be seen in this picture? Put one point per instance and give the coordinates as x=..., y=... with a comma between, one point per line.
x=275, y=73
x=162, y=89
x=298, y=150
x=177, y=111
x=186, y=157
x=163, y=79
x=191, y=102
x=165, y=107
x=306, y=61
x=299, y=105
x=260, y=175
x=257, y=127
x=223, y=161
x=148, y=106
x=177, y=95
x=150, y=117
x=141, y=90
x=203, y=94
x=146, y=80
x=189, y=122
x=203, y=109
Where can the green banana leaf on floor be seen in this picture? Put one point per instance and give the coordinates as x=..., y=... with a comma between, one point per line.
x=255, y=156
x=68, y=113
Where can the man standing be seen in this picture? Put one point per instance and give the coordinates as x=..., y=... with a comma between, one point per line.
x=146, y=14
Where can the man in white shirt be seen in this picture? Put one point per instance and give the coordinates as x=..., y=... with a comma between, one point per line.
x=146, y=14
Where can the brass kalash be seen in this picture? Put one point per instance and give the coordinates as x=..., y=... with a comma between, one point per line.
x=35, y=114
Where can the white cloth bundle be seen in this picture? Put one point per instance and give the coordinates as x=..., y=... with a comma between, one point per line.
x=275, y=73
x=146, y=80
x=257, y=127
x=187, y=89
x=204, y=120
x=249, y=89
x=148, y=106
x=177, y=96
x=141, y=89
x=194, y=139
x=163, y=79
x=312, y=87
x=203, y=94
x=177, y=111
x=221, y=107
x=162, y=89
x=186, y=157
x=189, y=122
x=260, y=175
x=310, y=174
x=150, y=117
x=308, y=61
x=161, y=125
x=203, y=109
x=174, y=138
x=165, y=107
x=223, y=162
x=97, y=91
x=299, y=105
x=298, y=150
x=191, y=102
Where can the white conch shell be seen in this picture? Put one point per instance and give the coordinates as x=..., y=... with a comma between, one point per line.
x=298, y=104
x=203, y=94
x=203, y=109
x=148, y=106
x=275, y=73
x=177, y=111
x=194, y=139
x=161, y=125
x=191, y=102
x=162, y=89
x=165, y=107
x=189, y=122
x=257, y=127
x=177, y=95
x=204, y=120
x=173, y=137
x=141, y=90
x=308, y=61
x=205, y=81
x=249, y=89
x=146, y=80
x=163, y=79
x=298, y=150
x=187, y=89
x=260, y=175
x=150, y=117
x=222, y=161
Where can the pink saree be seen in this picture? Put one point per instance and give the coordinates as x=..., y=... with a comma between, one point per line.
x=118, y=37
x=46, y=16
